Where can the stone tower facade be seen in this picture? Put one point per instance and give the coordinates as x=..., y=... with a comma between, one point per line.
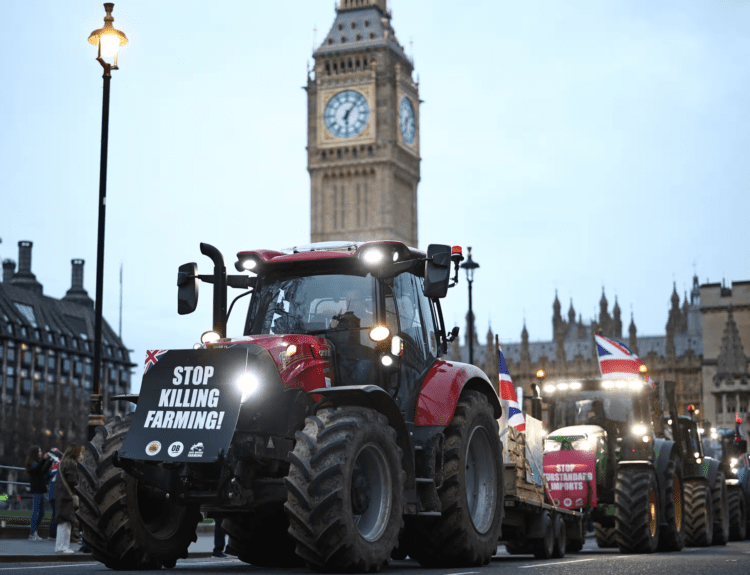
x=363, y=130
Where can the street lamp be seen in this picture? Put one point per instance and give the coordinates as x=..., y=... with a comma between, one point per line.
x=470, y=265
x=108, y=41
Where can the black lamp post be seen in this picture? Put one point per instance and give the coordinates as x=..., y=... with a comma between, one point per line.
x=470, y=265
x=108, y=41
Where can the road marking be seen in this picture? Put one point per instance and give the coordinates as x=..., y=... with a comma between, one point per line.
x=55, y=566
x=556, y=563
x=464, y=573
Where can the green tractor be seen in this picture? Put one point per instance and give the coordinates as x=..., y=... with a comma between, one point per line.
x=638, y=475
x=730, y=449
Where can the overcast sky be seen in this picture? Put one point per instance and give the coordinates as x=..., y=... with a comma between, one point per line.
x=574, y=145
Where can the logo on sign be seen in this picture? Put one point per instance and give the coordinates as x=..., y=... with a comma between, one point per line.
x=153, y=448
x=175, y=449
x=196, y=450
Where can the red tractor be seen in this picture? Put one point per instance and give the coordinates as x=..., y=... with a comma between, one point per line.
x=331, y=433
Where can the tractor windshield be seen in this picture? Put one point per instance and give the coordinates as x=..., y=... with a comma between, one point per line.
x=591, y=408
x=310, y=304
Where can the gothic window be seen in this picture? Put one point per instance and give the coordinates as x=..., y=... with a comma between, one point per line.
x=341, y=26
x=359, y=37
x=372, y=35
x=343, y=39
x=342, y=208
x=330, y=40
x=335, y=208
x=359, y=208
x=364, y=204
x=353, y=25
x=367, y=23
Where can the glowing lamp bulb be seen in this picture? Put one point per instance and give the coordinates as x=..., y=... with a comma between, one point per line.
x=210, y=337
x=249, y=264
x=248, y=385
x=379, y=333
x=386, y=360
x=373, y=257
x=110, y=45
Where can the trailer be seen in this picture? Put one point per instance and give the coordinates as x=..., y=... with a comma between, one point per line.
x=534, y=522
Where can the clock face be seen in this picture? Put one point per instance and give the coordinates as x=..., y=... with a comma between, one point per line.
x=407, y=121
x=346, y=114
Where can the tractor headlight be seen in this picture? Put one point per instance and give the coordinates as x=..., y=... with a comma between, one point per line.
x=582, y=444
x=639, y=429
x=552, y=445
x=379, y=333
x=733, y=462
x=248, y=385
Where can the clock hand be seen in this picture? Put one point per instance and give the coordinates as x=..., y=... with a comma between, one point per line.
x=346, y=116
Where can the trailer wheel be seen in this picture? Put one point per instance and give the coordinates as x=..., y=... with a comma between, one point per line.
x=636, y=511
x=721, y=511
x=672, y=535
x=263, y=540
x=561, y=538
x=128, y=525
x=346, y=490
x=737, y=515
x=472, y=493
x=544, y=548
x=605, y=536
x=699, y=516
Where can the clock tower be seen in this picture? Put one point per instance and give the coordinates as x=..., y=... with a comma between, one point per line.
x=362, y=130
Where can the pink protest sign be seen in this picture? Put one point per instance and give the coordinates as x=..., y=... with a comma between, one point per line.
x=571, y=474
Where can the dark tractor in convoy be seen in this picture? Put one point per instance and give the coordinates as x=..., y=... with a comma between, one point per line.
x=638, y=475
x=332, y=432
x=729, y=447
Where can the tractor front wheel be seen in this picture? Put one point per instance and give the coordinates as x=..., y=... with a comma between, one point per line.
x=737, y=515
x=699, y=516
x=605, y=536
x=721, y=511
x=672, y=535
x=346, y=490
x=127, y=524
x=636, y=511
x=262, y=540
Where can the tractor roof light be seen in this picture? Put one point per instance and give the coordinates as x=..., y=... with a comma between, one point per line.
x=639, y=429
x=549, y=388
x=210, y=337
x=562, y=386
x=247, y=262
x=373, y=256
x=576, y=385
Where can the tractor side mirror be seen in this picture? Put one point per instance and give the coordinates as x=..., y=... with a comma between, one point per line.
x=437, y=271
x=187, y=292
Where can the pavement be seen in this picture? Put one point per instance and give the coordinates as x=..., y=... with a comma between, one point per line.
x=15, y=549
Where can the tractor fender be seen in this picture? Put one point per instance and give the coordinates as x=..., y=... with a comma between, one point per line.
x=374, y=397
x=663, y=450
x=442, y=387
x=707, y=469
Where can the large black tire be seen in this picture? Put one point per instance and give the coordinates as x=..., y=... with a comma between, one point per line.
x=672, y=535
x=561, y=538
x=636, y=511
x=721, y=510
x=737, y=515
x=605, y=536
x=263, y=541
x=544, y=548
x=472, y=494
x=128, y=525
x=346, y=490
x=699, y=516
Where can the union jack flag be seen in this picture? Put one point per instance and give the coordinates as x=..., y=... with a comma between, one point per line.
x=616, y=361
x=508, y=393
x=152, y=356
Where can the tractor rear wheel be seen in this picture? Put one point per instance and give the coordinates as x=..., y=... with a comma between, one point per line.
x=636, y=511
x=472, y=493
x=699, y=516
x=127, y=524
x=737, y=515
x=721, y=511
x=605, y=536
x=672, y=535
x=262, y=540
x=346, y=490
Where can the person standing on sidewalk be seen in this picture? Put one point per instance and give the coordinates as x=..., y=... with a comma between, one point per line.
x=37, y=468
x=67, y=479
x=56, y=455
